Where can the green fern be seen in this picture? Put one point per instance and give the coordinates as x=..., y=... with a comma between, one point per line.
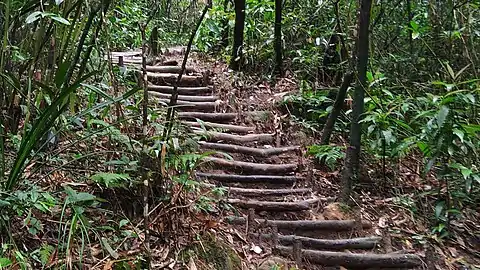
x=111, y=179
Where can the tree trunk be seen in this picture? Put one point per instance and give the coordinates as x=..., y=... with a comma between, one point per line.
x=278, y=38
x=337, y=108
x=350, y=172
x=237, y=54
x=154, y=41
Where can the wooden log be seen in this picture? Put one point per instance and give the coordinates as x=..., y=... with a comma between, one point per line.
x=206, y=106
x=218, y=136
x=308, y=225
x=185, y=98
x=326, y=244
x=271, y=206
x=252, y=167
x=218, y=117
x=248, y=150
x=181, y=90
x=226, y=127
x=263, y=192
x=170, y=79
x=355, y=260
x=165, y=69
x=230, y=178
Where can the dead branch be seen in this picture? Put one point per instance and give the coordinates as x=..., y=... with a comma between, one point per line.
x=170, y=78
x=204, y=106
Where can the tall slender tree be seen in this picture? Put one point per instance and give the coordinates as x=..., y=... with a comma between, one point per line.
x=237, y=54
x=351, y=168
x=278, y=38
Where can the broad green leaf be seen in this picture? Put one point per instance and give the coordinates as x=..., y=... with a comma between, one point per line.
x=123, y=222
x=4, y=262
x=415, y=34
x=439, y=209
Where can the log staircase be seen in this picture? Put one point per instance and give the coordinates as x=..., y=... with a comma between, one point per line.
x=266, y=184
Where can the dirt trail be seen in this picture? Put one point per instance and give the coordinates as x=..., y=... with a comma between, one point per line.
x=277, y=203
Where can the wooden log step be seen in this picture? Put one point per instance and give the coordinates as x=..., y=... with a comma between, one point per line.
x=216, y=117
x=262, y=168
x=355, y=260
x=308, y=225
x=326, y=244
x=165, y=69
x=185, y=98
x=263, y=192
x=226, y=127
x=181, y=90
x=206, y=106
x=232, y=178
x=218, y=136
x=171, y=78
x=272, y=206
x=230, y=148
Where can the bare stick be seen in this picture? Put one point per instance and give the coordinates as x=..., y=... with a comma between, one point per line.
x=173, y=99
x=297, y=252
x=271, y=206
x=186, y=98
x=254, y=192
x=181, y=90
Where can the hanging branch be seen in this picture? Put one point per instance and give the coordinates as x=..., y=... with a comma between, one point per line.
x=174, y=97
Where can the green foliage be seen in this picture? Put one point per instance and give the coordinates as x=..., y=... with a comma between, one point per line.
x=327, y=154
x=111, y=179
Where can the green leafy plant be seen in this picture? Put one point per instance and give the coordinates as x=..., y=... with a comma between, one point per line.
x=327, y=154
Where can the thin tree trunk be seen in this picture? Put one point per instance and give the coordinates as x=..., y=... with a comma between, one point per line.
x=337, y=108
x=278, y=37
x=226, y=28
x=237, y=54
x=350, y=172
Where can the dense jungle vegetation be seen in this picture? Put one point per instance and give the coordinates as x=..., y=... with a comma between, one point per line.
x=388, y=89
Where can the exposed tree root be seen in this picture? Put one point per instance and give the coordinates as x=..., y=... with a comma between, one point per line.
x=248, y=150
x=252, y=167
x=226, y=127
x=217, y=136
x=232, y=178
x=308, y=225
x=353, y=260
